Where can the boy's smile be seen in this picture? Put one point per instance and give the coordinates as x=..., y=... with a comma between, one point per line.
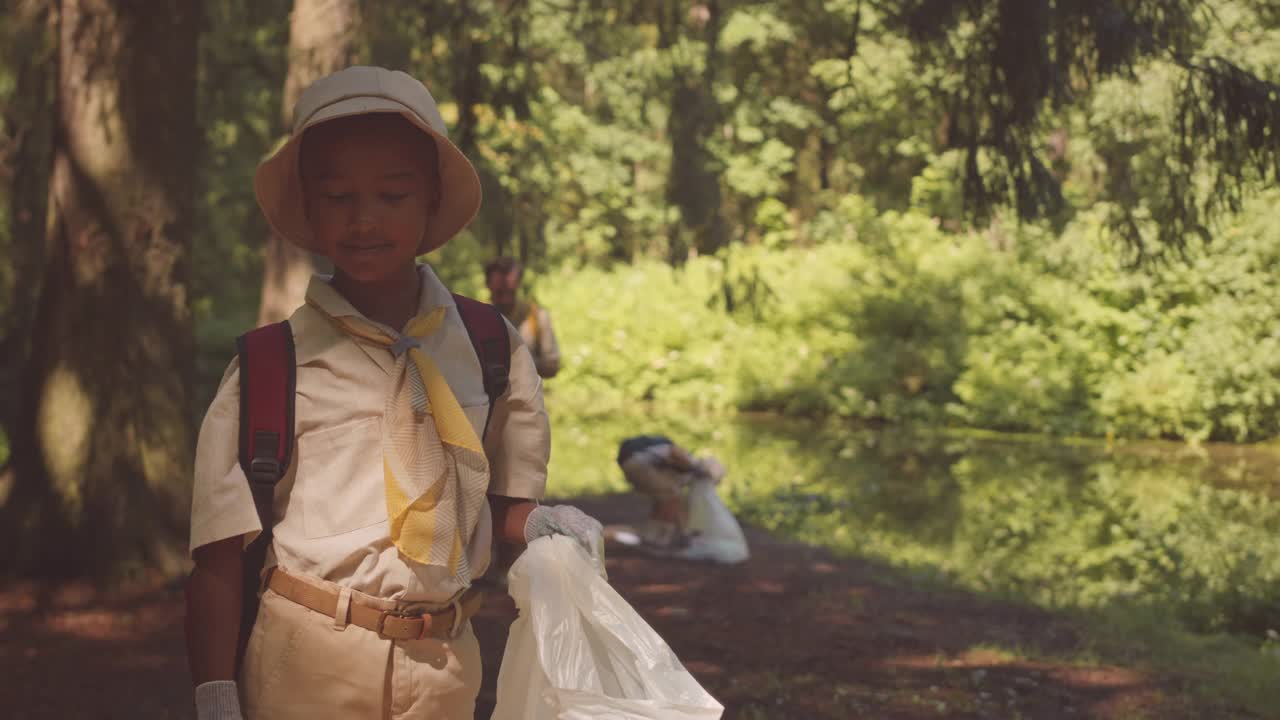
x=358, y=248
x=369, y=184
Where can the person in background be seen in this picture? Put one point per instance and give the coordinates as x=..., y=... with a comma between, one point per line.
x=656, y=466
x=503, y=276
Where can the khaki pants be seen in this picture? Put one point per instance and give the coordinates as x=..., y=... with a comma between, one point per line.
x=301, y=664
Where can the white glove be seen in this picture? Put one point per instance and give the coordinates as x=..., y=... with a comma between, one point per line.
x=710, y=468
x=218, y=700
x=570, y=521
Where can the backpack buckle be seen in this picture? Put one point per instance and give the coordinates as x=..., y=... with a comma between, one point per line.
x=495, y=380
x=264, y=470
x=495, y=370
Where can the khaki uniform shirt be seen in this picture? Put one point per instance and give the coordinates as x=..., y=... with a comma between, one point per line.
x=535, y=327
x=330, y=508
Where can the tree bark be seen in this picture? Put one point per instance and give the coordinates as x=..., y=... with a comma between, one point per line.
x=102, y=449
x=323, y=38
x=26, y=143
x=693, y=185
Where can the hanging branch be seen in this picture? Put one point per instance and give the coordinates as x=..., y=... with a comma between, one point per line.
x=1023, y=57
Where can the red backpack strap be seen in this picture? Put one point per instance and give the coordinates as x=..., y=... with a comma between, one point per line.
x=268, y=380
x=488, y=332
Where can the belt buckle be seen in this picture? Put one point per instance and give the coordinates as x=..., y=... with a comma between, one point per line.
x=406, y=615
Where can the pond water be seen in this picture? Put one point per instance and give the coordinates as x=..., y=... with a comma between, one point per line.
x=1194, y=533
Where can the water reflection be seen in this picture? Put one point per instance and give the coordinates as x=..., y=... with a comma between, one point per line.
x=1195, y=532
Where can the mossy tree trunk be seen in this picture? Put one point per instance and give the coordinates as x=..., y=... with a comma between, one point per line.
x=693, y=185
x=27, y=45
x=102, y=444
x=323, y=38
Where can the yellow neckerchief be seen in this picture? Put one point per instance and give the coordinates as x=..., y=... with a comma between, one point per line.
x=435, y=472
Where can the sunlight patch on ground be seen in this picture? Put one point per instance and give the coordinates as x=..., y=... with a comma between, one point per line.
x=988, y=655
x=1102, y=677
x=701, y=668
x=659, y=589
x=1029, y=673
x=673, y=611
x=768, y=586
x=92, y=625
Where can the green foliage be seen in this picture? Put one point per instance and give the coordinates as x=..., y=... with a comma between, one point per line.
x=1015, y=331
x=1014, y=63
x=1130, y=532
x=241, y=77
x=637, y=335
x=1071, y=527
x=826, y=115
x=853, y=286
x=1161, y=563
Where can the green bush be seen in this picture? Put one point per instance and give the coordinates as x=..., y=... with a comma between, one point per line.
x=891, y=318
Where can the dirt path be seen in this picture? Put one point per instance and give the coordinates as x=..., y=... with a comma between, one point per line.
x=793, y=633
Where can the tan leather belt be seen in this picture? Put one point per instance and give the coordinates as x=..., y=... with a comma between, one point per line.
x=388, y=624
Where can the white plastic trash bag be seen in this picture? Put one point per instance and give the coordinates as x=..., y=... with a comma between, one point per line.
x=716, y=533
x=578, y=651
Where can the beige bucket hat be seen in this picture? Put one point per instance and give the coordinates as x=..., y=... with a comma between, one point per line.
x=357, y=91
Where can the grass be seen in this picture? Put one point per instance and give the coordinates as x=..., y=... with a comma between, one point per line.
x=1218, y=666
x=930, y=504
x=1219, y=670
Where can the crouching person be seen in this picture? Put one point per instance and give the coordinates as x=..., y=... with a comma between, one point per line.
x=688, y=520
x=408, y=461
x=657, y=467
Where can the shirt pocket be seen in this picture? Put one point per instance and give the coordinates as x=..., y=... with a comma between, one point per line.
x=340, y=478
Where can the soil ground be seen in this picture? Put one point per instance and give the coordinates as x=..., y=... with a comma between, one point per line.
x=792, y=633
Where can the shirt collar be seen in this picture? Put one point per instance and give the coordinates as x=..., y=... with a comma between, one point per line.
x=433, y=294
x=321, y=293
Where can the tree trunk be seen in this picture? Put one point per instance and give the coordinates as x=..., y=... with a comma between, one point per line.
x=323, y=36
x=694, y=181
x=102, y=451
x=498, y=220
x=26, y=140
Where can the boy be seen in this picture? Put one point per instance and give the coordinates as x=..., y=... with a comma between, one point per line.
x=389, y=508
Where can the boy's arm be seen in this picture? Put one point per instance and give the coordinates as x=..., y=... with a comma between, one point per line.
x=213, y=610
x=518, y=440
x=518, y=445
x=509, y=518
x=223, y=516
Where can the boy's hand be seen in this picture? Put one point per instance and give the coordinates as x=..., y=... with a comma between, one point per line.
x=217, y=700
x=567, y=520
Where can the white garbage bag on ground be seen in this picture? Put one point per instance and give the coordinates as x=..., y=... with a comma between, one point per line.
x=578, y=651
x=715, y=532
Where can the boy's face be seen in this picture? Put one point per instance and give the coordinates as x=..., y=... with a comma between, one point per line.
x=368, y=194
